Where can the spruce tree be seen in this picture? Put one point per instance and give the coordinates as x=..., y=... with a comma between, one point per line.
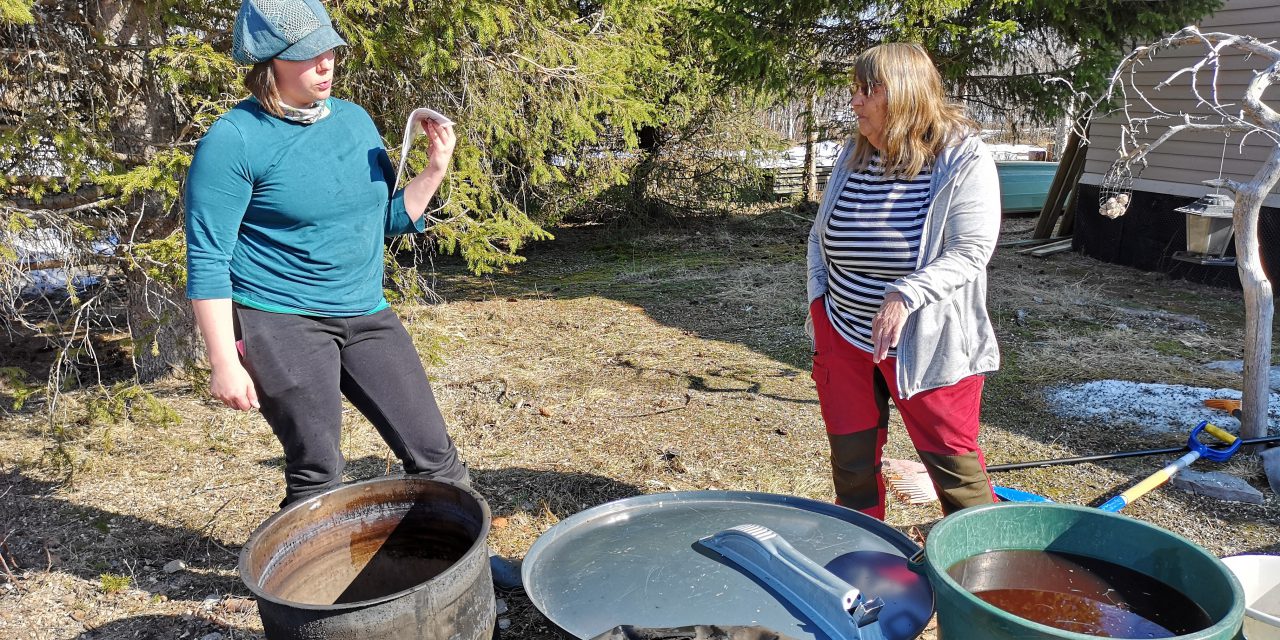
x=104, y=102
x=998, y=53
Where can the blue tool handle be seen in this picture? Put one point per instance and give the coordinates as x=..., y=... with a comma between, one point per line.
x=1115, y=504
x=1150, y=482
x=1007, y=494
x=1207, y=452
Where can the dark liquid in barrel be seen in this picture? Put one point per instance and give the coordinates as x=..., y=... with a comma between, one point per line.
x=404, y=559
x=1079, y=594
x=368, y=559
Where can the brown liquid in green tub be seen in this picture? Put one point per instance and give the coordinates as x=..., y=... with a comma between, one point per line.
x=1079, y=594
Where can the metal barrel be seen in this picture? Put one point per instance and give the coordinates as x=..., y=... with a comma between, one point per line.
x=386, y=559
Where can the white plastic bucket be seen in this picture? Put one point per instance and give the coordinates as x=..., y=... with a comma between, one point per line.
x=1260, y=577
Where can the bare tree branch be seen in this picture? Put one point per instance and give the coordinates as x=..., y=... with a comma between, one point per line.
x=1253, y=118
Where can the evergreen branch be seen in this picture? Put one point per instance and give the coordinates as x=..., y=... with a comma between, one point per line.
x=16, y=12
x=69, y=210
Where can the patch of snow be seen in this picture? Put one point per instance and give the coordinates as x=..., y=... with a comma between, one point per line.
x=826, y=151
x=46, y=245
x=39, y=245
x=1154, y=407
x=46, y=281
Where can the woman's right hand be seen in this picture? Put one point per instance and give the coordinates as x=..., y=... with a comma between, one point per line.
x=228, y=379
x=232, y=385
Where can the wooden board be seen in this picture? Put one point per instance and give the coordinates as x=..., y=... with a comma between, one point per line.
x=1049, y=249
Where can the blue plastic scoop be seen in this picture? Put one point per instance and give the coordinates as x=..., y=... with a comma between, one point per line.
x=829, y=602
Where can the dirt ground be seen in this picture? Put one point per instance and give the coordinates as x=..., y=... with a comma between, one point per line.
x=615, y=362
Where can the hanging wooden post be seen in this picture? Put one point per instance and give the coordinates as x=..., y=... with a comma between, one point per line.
x=1053, y=200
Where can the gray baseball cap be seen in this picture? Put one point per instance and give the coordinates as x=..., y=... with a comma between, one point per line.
x=284, y=29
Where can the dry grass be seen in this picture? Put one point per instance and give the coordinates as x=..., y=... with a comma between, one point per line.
x=609, y=365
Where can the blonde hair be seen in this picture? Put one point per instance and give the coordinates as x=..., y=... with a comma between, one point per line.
x=919, y=120
x=261, y=82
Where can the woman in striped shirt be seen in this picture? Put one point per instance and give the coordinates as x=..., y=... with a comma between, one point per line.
x=897, y=283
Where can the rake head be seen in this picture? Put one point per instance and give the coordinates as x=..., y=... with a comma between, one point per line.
x=909, y=481
x=1223, y=404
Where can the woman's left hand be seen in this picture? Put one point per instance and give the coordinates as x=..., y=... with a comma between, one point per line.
x=443, y=140
x=886, y=326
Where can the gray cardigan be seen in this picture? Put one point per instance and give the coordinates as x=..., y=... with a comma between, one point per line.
x=948, y=334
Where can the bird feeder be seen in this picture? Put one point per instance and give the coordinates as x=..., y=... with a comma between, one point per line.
x=1209, y=229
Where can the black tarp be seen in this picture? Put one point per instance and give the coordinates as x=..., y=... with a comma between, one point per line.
x=1150, y=232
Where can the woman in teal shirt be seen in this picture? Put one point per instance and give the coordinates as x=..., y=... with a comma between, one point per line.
x=288, y=199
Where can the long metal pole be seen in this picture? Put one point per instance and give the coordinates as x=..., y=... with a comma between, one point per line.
x=1110, y=456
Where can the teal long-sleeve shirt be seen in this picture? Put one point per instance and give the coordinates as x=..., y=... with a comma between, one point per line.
x=291, y=217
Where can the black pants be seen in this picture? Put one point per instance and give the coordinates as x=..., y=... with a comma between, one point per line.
x=300, y=365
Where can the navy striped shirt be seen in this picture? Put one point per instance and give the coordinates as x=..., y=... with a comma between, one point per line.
x=872, y=238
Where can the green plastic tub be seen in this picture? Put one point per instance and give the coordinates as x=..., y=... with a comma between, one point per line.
x=1115, y=538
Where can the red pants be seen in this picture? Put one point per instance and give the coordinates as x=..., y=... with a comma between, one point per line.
x=854, y=394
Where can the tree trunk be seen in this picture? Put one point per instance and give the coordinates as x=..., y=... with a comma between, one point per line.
x=161, y=323
x=1062, y=135
x=1258, y=299
x=162, y=326
x=145, y=110
x=810, y=149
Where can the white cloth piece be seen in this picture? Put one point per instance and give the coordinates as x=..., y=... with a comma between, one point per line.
x=413, y=128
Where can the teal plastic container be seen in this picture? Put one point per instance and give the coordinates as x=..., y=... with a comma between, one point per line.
x=1024, y=184
x=1112, y=537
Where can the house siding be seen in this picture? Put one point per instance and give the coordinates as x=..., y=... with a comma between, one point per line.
x=1180, y=164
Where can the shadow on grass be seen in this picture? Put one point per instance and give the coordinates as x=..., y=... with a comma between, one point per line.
x=358, y=469
x=508, y=490
x=162, y=627
x=751, y=382
x=1272, y=549
x=514, y=489
x=46, y=533
x=26, y=359
x=717, y=277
